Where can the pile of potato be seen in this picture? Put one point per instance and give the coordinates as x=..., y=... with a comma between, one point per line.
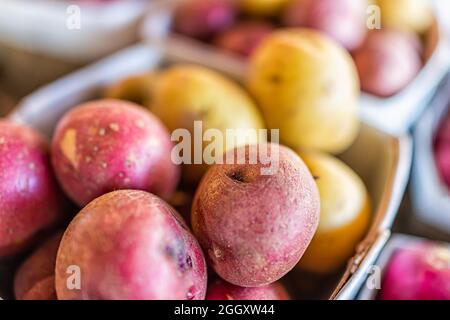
x=387, y=59
x=112, y=159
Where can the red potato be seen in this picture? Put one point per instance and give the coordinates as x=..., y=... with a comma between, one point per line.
x=387, y=61
x=443, y=134
x=32, y=277
x=342, y=20
x=201, y=19
x=221, y=290
x=442, y=154
x=107, y=145
x=130, y=244
x=243, y=38
x=419, y=272
x=43, y=290
x=254, y=228
x=442, y=151
x=30, y=200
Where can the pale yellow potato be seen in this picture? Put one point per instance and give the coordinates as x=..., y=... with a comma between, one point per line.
x=137, y=88
x=186, y=93
x=408, y=15
x=344, y=214
x=262, y=7
x=307, y=86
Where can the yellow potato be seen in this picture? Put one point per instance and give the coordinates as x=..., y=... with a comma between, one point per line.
x=344, y=214
x=186, y=93
x=408, y=15
x=137, y=89
x=308, y=87
x=262, y=7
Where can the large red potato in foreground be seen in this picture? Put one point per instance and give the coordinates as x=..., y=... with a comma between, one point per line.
x=30, y=200
x=35, y=278
x=107, y=145
x=254, y=228
x=221, y=290
x=130, y=245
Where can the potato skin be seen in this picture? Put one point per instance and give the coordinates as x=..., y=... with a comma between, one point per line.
x=201, y=19
x=243, y=38
x=30, y=199
x=107, y=145
x=186, y=93
x=254, y=228
x=406, y=15
x=130, y=244
x=31, y=279
x=137, y=88
x=342, y=20
x=222, y=290
x=43, y=290
x=344, y=217
x=262, y=7
x=307, y=86
x=382, y=70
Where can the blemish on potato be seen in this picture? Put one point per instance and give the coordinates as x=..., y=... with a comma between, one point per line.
x=92, y=131
x=32, y=166
x=88, y=159
x=275, y=79
x=114, y=127
x=140, y=124
x=2, y=140
x=131, y=160
x=218, y=253
x=68, y=146
x=104, y=165
x=102, y=132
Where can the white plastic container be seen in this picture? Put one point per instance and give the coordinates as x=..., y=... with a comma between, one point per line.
x=396, y=242
x=381, y=160
x=430, y=197
x=394, y=115
x=48, y=27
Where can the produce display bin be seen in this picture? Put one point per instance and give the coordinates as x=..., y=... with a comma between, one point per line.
x=430, y=196
x=395, y=114
x=41, y=26
x=37, y=46
x=396, y=242
x=382, y=161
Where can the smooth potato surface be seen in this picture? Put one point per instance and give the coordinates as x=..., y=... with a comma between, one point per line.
x=344, y=214
x=308, y=87
x=188, y=93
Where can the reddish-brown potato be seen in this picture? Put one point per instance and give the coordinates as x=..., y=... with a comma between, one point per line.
x=43, y=290
x=32, y=277
x=107, y=145
x=201, y=19
x=342, y=20
x=254, y=228
x=130, y=244
x=221, y=290
x=30, y=200
x=243, y=38
x=387, y=61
